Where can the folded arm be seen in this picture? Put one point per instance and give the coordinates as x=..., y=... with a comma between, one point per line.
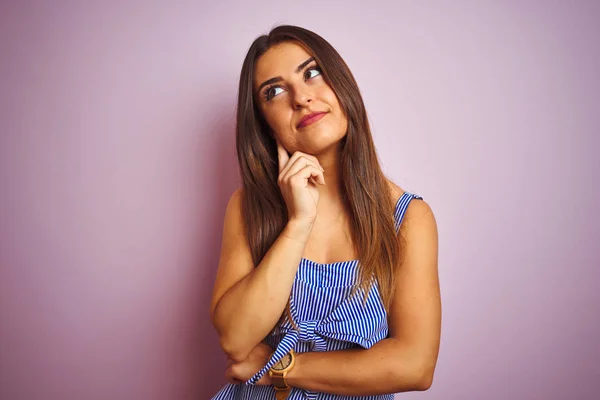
x=406, y=360
x=248, y=301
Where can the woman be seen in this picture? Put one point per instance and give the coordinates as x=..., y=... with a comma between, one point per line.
x=321, y=292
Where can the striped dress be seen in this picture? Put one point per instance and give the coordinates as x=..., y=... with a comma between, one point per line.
x=327, y=318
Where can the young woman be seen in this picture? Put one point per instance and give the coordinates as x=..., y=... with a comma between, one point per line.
x=327, y=286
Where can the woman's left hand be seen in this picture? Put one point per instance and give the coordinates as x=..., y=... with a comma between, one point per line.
x=240, y=372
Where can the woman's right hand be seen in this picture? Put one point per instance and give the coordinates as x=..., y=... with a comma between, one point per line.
x=298, y=179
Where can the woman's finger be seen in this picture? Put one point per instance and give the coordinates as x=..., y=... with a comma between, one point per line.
x=230, y=378
x=307, y=172
x=299, y=166
x=296, y=166
x=297, y=155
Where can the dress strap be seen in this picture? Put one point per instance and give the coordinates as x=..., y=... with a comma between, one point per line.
x=401, y=207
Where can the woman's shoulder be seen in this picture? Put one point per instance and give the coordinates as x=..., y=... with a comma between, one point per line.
x=415, y=208
x=233, y=211
x=395, y=191
x=234, y=204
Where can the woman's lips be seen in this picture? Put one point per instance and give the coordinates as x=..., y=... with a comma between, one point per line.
x=311, y=120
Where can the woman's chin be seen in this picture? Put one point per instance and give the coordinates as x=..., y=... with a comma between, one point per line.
x=320, y=146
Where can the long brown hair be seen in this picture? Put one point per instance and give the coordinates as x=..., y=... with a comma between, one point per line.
x=366, y=191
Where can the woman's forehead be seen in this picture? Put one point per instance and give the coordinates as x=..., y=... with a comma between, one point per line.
x=280, y=60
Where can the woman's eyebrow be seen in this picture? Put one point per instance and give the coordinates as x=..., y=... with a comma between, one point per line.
x=279, y=78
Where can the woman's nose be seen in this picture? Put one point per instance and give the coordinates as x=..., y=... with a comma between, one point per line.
x=302, y=98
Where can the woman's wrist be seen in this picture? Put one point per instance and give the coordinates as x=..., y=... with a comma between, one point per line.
x=293, y=376
x=298, y=230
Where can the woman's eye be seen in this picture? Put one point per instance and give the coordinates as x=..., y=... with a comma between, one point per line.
x=309, y=75
x=270, y=93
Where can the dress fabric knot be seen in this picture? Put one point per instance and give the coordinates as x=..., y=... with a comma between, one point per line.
x=344, y=323
x=306, y=330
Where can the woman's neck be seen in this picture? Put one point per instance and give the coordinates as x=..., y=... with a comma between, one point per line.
x=332, y=192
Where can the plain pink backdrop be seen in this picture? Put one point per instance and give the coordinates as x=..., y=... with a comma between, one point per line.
x=117, y=159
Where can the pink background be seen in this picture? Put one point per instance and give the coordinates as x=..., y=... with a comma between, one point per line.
x=117, y=159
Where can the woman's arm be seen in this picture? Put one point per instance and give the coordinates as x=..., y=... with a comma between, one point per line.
x=247, y=302
x=406, y=360
x=387, y=367
x=403, y=362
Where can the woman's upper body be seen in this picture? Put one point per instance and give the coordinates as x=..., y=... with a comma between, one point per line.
x=323, y=199
x=328, y=319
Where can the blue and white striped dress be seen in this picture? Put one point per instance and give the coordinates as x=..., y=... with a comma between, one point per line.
x=327, y=318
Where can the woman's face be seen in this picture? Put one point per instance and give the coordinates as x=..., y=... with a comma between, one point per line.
x=289, y=85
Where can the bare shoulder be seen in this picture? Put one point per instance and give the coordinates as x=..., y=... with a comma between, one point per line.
x=233, y=212
x=418, y=211
x=234, y=232
x=395, y=191
x=235, y=201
